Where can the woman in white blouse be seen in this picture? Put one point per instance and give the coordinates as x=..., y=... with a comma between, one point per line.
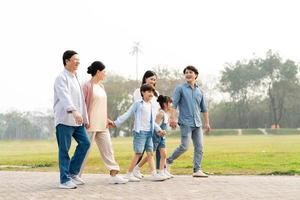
x=96, y=102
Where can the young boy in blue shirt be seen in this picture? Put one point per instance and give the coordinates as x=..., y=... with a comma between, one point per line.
x=144, y=112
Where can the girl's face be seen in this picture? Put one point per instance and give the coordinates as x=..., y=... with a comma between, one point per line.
x=151, y=80
x=168, y=106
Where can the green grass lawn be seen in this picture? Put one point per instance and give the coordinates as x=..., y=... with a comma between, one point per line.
x=230, y=154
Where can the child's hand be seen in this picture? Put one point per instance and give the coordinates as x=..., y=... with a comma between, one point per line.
x=110, y=124
x=173, y=123
x=162, y=133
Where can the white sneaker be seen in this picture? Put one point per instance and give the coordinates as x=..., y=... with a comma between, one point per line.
x=162, y=174
x=77, y=180
x=200, y=173
x=168, y=173
x=68, y=185
x=117, y=180
x=137, y=173
x=131, y=178
x=168, y=167
x=157, y=177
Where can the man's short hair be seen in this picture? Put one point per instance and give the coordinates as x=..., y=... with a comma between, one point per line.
x=67, y=55
x=192, y=68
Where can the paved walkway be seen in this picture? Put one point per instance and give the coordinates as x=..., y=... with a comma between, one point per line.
x=43, y=185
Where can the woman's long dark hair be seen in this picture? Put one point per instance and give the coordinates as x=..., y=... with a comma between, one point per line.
x=148, y=74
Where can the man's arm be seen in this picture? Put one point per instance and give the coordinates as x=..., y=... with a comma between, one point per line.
x=206, y=122
x=176, y=99
x=173, y=121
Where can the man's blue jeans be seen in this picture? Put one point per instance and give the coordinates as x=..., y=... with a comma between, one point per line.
x=197, y=137
x=64, y=136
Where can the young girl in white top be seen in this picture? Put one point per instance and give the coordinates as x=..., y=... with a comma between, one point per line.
x=159, y=141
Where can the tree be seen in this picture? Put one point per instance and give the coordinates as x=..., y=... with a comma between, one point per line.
x=280, y=79
x=238, y=80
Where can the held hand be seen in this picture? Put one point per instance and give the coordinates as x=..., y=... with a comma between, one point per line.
x=173, y=123
x=77, y=116
x=162, y=133
x=111, y=124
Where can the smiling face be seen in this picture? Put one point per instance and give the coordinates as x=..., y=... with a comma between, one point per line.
x=168, y=106
x=73, y=63
x=147, y=95
x=151, y=80
x=190, y=76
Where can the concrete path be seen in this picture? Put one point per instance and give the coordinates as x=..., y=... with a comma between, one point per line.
x=44, y=185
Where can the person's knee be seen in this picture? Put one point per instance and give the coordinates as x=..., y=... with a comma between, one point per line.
x=86, y=144
x=138, y=154
x=150, y=154
x=184, y=147
x=199, y=149
x=163, y=155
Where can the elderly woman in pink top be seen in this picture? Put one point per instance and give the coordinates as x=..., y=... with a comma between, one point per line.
x=96, y=102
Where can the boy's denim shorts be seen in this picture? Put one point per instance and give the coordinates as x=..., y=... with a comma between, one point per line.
x=141, y=141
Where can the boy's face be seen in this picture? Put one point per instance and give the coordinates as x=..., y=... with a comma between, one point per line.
x=147, y=95
x=190, y=75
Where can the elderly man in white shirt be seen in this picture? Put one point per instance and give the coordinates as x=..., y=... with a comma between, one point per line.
x=70, y=116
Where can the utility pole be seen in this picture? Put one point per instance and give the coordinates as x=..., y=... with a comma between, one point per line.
x=135, y=51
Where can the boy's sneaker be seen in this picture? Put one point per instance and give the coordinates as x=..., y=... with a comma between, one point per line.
x=68, y=185
x=199, y=173
x=117, y=180
x=77, y=180
x=131, y=178
x=137, y=173
x=168, y=173
x=157, y=177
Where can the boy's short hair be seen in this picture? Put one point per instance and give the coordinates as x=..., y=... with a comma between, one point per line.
x=192, y=68
x=147, y=87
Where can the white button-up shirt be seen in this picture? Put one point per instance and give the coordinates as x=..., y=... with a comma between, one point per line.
x=68, y=96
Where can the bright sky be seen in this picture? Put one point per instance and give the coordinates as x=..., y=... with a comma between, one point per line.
x=207, y=34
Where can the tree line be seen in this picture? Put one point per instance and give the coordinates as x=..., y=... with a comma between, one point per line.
x=255, y=93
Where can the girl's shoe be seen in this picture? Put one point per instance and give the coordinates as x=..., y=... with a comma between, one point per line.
x=131, y=178
x=168, y=173
x=157, y=177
